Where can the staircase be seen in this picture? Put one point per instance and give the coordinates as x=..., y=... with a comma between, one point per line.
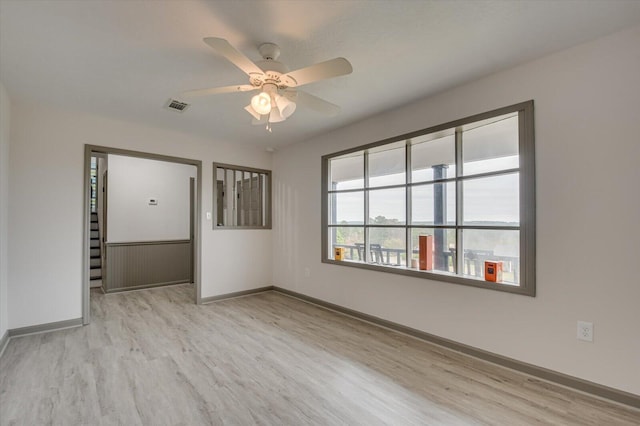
x=95, y=258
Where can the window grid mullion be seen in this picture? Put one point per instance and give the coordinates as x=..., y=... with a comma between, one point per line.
x=261, y=203
x=408, y=206
x=432, y=182
x=492, y=227
x=366, y=254
x=480, y=227
x=236, y=206
x=459, y=266
x=224, y=199
x=490, y=174
x=250, y=206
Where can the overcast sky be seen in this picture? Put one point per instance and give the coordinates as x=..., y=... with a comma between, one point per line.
x=485, y=199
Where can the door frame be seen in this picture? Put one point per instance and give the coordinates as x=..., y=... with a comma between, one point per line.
x=102, y=232
x=89, y=150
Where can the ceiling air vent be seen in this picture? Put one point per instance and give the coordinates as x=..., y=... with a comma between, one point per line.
x=174, y=105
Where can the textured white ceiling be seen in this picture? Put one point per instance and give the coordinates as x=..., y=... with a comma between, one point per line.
x=124, y=59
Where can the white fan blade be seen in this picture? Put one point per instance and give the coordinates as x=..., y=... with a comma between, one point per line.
x=315, y=103
x=216, y=90
x=328, y=69
x=238, y=59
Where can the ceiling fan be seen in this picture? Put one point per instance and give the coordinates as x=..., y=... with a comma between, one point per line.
x=278, y=86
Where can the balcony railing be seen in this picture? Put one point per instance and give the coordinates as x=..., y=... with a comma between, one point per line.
x=473, y=262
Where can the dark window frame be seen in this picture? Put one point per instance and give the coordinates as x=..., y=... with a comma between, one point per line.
x=526, y=146
x=265, y=204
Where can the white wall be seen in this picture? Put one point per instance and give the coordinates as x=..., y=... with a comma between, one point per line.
x=132, y=182
x=5, y=113
x=46, y=209
x=587, y=123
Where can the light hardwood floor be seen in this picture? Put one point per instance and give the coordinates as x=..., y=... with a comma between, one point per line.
x=152, y=357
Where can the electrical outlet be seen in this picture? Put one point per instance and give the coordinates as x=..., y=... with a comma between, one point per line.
x=585, y=331
x=307, y=272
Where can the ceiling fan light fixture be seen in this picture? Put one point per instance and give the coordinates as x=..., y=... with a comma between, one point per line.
x=261, y=103
x=285, y=106
x=252, y=111
x=272, y=78
x=275, y=116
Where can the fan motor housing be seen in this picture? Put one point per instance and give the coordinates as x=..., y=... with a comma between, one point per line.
x=273, y=71
x=269, y=51
x=270, y=65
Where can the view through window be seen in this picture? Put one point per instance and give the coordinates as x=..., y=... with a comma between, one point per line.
x=242, y=197
x=467, y=184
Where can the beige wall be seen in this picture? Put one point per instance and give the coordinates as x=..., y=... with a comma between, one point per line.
x=587, y=117
x=5, y=113
x=46, y=209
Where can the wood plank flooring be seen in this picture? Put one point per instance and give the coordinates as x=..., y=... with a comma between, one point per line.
x=152, y=357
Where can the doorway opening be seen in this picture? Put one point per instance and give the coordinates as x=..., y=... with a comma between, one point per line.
x=97, y=219
x=154, y=189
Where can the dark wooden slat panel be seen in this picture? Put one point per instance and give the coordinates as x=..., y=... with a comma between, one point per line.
x=144, y=264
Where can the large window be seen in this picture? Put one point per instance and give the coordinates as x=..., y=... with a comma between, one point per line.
x=241, y=197
x=467, y=185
